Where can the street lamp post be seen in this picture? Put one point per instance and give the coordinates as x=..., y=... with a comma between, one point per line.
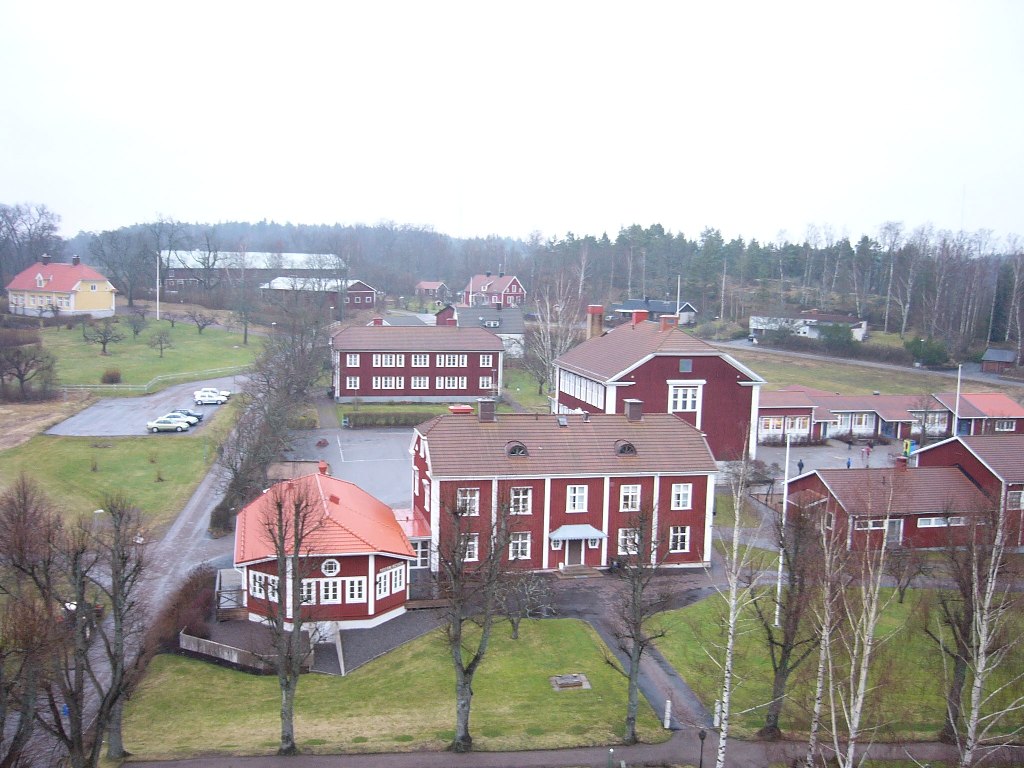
x=701, y=734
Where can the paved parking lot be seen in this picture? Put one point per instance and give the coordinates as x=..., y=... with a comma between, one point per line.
x=832, y=455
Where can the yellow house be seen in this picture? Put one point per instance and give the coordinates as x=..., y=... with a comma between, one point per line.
x=73, y=289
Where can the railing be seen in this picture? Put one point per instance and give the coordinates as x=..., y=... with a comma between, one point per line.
x=158, y=380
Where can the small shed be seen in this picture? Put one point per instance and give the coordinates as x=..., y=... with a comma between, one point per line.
x=998, y=360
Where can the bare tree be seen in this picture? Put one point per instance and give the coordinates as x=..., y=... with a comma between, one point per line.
x=555, y=331
x=890, y=236
x=290, y=522
x=524, y=595
x=161, y=340
x=136, y=321
x=903, y=566
x=27, y=364
x=27, y=232
x=471, y=568
x=635, y=630
x=202, y=320
x=103, y=333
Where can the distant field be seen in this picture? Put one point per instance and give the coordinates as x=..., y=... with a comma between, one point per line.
x=401, y=702
x=81, y=363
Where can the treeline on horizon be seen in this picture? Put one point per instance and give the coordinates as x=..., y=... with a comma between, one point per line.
x=962, y=288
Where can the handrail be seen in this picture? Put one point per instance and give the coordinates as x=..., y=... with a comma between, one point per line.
x=152, y=383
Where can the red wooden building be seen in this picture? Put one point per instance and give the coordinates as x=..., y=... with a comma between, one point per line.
x=487, y=289
x=416, y=364
x=924, y=507
x=995, y=463
x=670, y=371
x=355, y=559
x=572, y=485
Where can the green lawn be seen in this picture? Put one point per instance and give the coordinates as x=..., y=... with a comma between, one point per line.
x=907, y=701
x=81, y=363
x=400, y=702
x=158, y=472
x=849, y=378
x=522, y=387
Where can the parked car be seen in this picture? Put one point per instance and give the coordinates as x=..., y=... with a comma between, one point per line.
x=208, y=397
x=222, y=392
x=190, y=420
x=197, y=415
x=167, y=425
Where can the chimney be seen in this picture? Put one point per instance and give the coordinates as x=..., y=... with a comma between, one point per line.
x=486, y=410
x=501, y=274
x=901, y=463
x=452, y=322
x=595, y=320
x=669, y=321
x=75, y=261
x=322, y=466
x=378, y=321
x=488, y=273
x=634, y=409
x=45, y=259
x=639, y=316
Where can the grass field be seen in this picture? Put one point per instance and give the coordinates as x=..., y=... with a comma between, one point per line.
x=81, y=363
x=907, y=701
x=522, y=387
x=403, y=701
x=158, y=472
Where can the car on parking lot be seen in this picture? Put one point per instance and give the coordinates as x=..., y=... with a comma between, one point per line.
x=213, y=390
x=197, y=415
x=167, y=425
x=208, y=397
x=190, y=420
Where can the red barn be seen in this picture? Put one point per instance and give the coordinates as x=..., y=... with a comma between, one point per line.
x=670, y=371
x=573, y=485
x=996, y=465
x=894, y=507
x=356, y=558
x=380, y=363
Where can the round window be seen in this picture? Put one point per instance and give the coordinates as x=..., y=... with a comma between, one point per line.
x=330, y=567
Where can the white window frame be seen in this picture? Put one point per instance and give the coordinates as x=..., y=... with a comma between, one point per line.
x=556, y=545
x=397, y=579
x=486, y=382
x=421, y=382
x=941, y=522
x=629, y=497
x=576, y=498
x=772, y=424
x=875, y=524
x=686, y=396
x=330, y=567
x=520, y=500
x=352, y=360
x=467, y=502
x=627, y=537
x=258, y=584
x=519, y=545
x=383, y=582
x=1015, y=500
x=351, y=382
x=486, y=361
x=273, y=588
x=307, y=591
x=1005, y=425
x=421, y=360
x=682, y=496
x=330, y=591
x=421, y=549
x=355, y=589
x=472, y=545
x=679, y=538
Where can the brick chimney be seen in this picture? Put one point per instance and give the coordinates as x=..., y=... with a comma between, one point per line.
x=901, y=463
x=639, y=316
x=634, y=409
x=75, y=261
x=486, y=410
x=45, y=259
x=378, y=321
x=669, y=321
x=595, y=320
x=452, y=322
x=322, y=466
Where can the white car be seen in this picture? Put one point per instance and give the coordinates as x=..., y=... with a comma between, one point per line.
x=226, y=394
x=190, y=420
x=208, y=397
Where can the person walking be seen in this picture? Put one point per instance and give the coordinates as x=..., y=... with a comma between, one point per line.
x=800, y=467
x=849, y=462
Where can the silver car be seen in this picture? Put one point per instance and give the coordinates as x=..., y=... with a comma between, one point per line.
x=167, y=425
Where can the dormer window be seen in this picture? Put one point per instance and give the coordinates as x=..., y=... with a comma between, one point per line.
x=40, y=281
x=625, y=448
x=516, y=449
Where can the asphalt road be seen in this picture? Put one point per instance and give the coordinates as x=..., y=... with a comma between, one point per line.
x=127, y=416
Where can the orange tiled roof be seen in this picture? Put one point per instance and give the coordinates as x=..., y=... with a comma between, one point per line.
x=59, y=278
x=347, y=520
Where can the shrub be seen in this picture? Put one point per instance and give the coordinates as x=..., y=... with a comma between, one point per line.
x=111, y=376
x=358, y=420
x=927, y=351
x=189, y=608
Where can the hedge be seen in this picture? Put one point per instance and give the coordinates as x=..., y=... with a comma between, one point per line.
x=357, y=420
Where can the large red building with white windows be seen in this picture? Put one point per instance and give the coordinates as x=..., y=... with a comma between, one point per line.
x=574, y=486
x=670, y=370
x=499, y=290
x=378, y=363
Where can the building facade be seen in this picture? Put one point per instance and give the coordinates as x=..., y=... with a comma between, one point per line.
x=576, y=489
x=379, y=363
x=490, y=290
x=46, y=289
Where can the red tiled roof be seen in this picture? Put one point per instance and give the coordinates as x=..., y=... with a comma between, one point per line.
x=463, y=446
x=1003, y=453
x=920, y=490
x=489, y=283
x=349, y=521
x=605, y=357
x=785, y=399
x=429, y=338
x=429, y=285
x=61, y=278
x=981, y=405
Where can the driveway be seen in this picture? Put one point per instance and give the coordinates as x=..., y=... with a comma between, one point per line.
x=127, y=416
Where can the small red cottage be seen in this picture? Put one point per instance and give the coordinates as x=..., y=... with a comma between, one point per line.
x=356, y=556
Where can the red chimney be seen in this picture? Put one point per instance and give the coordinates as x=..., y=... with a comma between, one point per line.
x=669, y=321
x=322, y=466
x=451, y=322
x=378, y=321
x=595, y=320
x=901, y=463
x=639, y=316
x=486, y=414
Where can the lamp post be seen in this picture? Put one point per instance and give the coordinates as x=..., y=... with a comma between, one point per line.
x=701, y=734
x=611, y=755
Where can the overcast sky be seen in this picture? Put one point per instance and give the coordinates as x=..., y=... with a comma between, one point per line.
x=507, y=118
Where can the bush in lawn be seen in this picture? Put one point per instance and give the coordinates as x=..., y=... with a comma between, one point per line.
x=111, y=376
x=188, y=608
x=362, y=420
x=927, y=351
